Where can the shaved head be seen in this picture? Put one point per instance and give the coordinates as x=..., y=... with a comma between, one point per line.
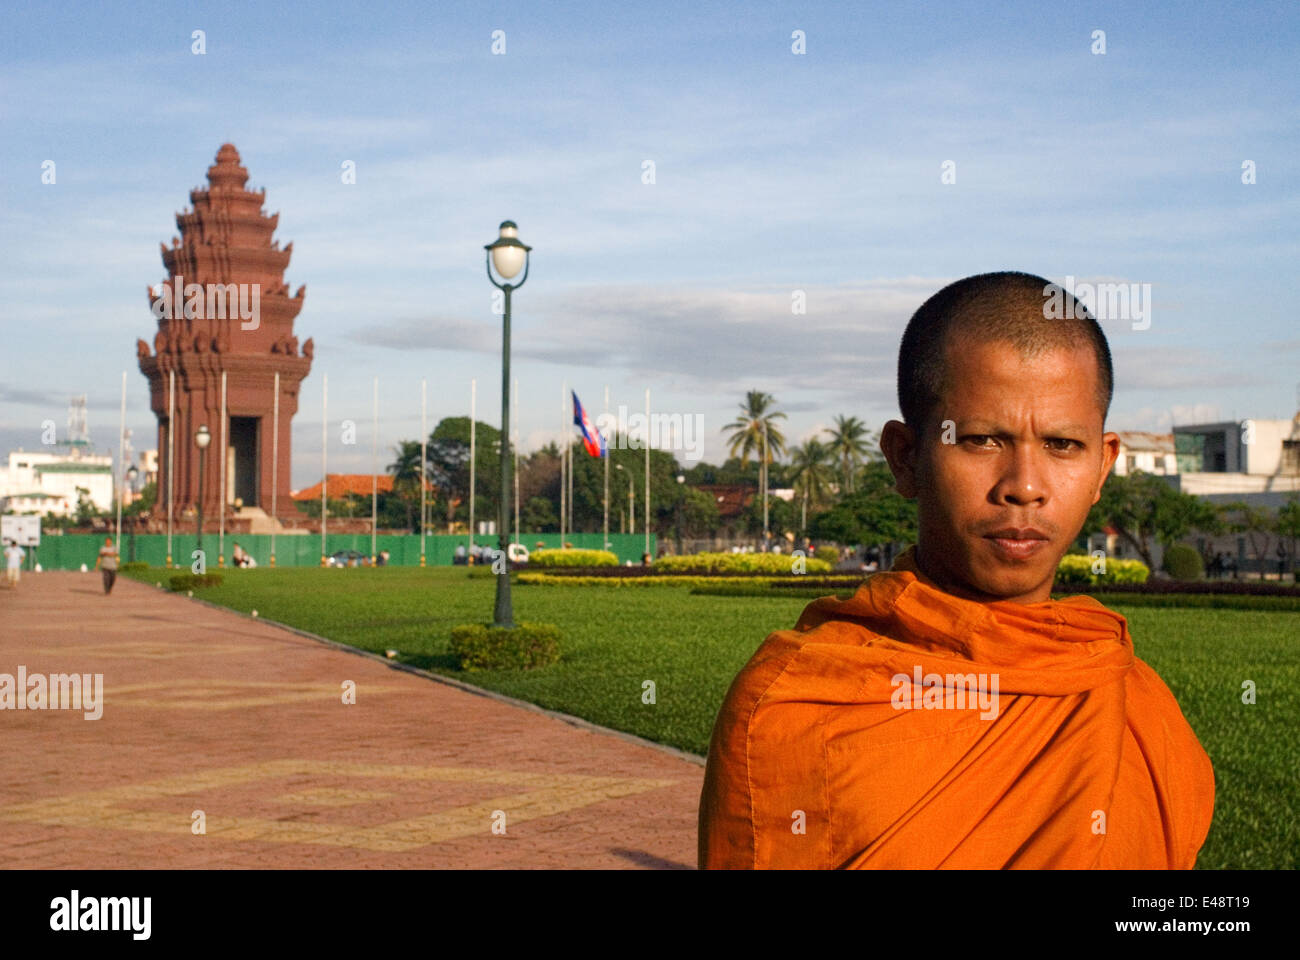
x=1015, y=308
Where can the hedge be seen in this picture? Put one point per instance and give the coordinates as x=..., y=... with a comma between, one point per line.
x=191, y=581
x=1077, y=570
x=650, y=580
x=525, y=646
x=740, y=562
x=572, y=558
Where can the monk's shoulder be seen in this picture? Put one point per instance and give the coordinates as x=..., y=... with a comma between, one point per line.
x=809, y=664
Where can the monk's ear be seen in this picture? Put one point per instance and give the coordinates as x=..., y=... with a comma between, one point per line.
x=1109, y=454
x=898, y=444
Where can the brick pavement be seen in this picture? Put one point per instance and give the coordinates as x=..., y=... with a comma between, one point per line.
x=214, y=718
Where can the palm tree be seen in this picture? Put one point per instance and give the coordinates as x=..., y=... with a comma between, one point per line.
x=754, y=432
x=848, y=441
x=811, y=475
x=407, y=475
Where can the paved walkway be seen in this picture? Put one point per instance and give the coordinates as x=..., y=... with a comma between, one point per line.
x=225, y=742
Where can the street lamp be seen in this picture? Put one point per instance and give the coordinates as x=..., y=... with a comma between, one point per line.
x=509, y=256
x=201, y=439
x=131, y=474
x=681, y=479
x=631, y=500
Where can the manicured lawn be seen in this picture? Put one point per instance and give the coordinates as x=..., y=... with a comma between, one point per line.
x=692, y=647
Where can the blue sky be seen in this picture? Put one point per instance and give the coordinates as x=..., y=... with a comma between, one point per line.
x=774, y=172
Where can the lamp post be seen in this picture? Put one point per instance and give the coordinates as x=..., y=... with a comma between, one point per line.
x=681, y=490
x=509, y=256
x=131, y=474
x=201, y=439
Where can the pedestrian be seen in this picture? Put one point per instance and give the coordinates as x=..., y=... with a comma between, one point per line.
x=106, y=562
x=13, y=562
x=1281, y=560
x=239, y=556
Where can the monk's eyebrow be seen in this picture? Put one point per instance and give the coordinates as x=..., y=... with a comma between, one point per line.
x=988, y=428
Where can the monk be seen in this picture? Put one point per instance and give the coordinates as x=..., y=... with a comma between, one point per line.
x=951, y=714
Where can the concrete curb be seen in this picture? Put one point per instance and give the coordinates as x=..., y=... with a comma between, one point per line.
x=568, y=718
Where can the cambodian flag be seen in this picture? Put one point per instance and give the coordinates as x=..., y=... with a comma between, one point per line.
x=591, y=439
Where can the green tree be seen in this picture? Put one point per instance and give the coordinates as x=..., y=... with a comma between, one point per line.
x=407, y=473
x=811, y=475
x=1288, y=526
x=449, y=470
x=754, y=431
x=1142, y=508
x=874, y=514
x=849, y=442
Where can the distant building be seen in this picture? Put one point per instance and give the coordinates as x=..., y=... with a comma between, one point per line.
x=46, y=481
x=1144, y=452
x=1256, y=461
x=343, y=485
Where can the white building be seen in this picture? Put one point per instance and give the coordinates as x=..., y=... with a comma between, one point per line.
x=1256, y=461
x=1144, y=452
x=48, y=480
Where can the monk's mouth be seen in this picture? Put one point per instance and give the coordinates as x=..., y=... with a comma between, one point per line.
x=1016, y=549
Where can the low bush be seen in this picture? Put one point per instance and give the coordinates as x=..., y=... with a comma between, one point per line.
x=134, y=566
x=830, y=554
x=525, y=646
x=1076, y=570
x=192, y=581
x=739, y=563
x=572, y=558
x=1184, y=563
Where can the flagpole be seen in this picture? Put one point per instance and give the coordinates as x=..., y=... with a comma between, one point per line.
x=424, y=433
x=473, y=394
x=171, y=455
x=605, y=455
x=324, y=466
x=374, y=477
x=568, y=452
x=647, y=472
x=563, y=459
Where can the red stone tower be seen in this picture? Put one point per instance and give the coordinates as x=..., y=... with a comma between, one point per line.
x=225, y=307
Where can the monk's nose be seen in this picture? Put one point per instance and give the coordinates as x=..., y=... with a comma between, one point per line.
x=1023, y=480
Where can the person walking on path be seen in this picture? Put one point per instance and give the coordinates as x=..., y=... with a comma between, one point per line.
x=13, y=563
x=107, y=563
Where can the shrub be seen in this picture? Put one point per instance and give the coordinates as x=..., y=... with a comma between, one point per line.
x=484, y=647
x=1184, y=563
x=189, y=581
x=739, y=563
x=135, y=566
x=572, y=558
x=830, y=554
x=1076, y=570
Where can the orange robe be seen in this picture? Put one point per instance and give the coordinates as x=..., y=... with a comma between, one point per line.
x=822, y=757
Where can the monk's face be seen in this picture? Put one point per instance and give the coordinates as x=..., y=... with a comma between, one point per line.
x=1008, y=465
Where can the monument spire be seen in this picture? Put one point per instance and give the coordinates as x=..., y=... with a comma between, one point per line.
x=224, y=306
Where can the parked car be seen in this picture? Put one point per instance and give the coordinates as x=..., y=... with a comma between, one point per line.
x=348, y=558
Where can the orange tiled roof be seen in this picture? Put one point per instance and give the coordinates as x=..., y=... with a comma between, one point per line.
x=344, y=484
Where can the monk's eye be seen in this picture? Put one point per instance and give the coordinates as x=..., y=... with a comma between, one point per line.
x=1061, y=443
x=977, y=439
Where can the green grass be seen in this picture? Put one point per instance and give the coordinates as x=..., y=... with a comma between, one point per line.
x=692, y=646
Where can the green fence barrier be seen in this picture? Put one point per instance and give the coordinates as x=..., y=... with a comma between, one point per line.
x=70, y=551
